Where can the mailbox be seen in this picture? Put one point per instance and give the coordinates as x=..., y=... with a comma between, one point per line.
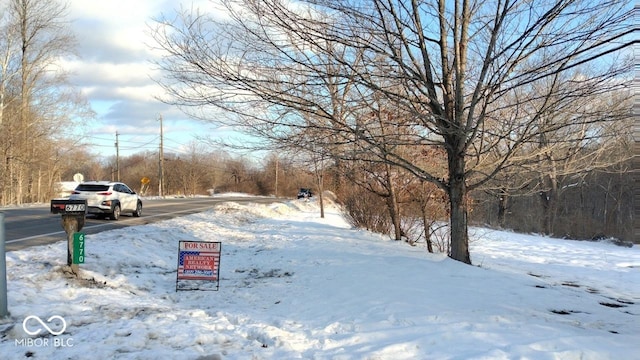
x=73, y=213
x=71, y=207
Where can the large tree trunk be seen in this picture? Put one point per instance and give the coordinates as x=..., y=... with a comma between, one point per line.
x=458, y=209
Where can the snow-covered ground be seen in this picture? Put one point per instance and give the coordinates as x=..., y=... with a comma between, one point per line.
x=295, y=286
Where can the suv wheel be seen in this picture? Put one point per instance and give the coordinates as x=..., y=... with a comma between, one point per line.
x=138, y=211
x=115, y=215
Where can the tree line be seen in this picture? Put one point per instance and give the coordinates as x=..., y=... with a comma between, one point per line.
x=590, y=204
x=199, y=171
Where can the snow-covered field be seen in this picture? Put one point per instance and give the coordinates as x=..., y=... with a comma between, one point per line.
x=295, y=286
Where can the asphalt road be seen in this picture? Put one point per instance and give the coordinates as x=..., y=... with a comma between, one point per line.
x=35, y=225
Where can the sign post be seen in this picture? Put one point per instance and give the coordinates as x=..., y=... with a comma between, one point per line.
x=144, y=184
x=199, y=265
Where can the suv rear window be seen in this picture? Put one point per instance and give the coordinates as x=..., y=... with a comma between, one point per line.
x=91, y=187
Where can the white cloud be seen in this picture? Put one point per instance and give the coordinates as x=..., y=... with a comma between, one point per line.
x=113, y=68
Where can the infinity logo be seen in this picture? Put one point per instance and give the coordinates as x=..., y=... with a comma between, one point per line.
x=37, y=331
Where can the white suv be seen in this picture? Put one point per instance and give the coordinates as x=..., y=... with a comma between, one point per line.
x=108, y=198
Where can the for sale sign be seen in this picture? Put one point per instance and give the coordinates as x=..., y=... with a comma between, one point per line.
x=200, y=261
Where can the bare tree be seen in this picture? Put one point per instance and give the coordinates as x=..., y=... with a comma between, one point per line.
x=451, y=65
x=35, y=99
x=192, y=171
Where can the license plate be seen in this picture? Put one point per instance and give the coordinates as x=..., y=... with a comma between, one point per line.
x=74, y=208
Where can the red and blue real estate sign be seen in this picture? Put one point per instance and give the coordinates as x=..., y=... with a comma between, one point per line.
x=199, y=260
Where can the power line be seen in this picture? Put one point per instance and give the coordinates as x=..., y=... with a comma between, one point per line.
x=127, y=141
x=128, y=145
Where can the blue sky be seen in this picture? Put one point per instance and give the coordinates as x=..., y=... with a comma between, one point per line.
x=113, y=70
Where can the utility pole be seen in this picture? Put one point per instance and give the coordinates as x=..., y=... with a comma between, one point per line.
x=117, y=158
x=161, y=162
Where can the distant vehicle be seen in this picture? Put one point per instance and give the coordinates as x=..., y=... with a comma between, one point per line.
x=304, y=193
x=108, y=198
